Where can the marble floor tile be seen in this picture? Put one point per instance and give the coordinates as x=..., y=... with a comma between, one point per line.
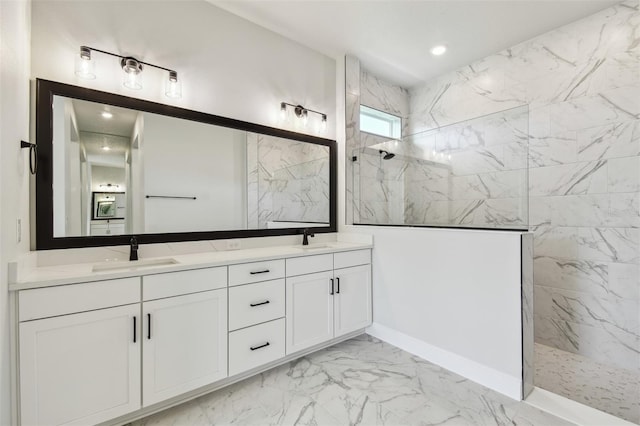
x=610, y=389
x=362, y=381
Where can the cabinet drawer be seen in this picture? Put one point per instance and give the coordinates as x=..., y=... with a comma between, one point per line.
x=183, y=282
x=346, y=259
x=255, y=346
x=309, y=264
x=253, y=272
x=255, y=303
x=69, y=299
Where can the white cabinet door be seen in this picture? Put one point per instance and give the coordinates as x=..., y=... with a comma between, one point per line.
x=309, y=310
x=352, y=299
x=185, y=344
x=81, y=368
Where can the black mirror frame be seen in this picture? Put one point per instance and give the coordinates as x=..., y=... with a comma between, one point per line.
x=46, y=90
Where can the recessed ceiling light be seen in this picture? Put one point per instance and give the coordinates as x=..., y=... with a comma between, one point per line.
x=438, y=50
x=106, y=114
x=106, y=148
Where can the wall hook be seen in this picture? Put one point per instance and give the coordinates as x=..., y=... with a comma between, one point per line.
x=33, y=155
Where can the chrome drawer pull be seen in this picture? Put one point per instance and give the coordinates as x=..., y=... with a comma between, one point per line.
x=253, y=348
x=258, y=304
x=259, y=272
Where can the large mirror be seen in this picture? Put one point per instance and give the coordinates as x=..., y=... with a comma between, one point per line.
x=111, y=167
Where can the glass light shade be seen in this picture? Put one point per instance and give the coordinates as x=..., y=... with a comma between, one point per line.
x=283, y=112
x=173, y=88
x=132, y=80
x=85, y=67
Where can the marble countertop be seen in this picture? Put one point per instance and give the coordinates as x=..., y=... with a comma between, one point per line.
x=47, y=276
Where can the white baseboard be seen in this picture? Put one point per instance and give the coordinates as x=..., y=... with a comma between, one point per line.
x=486, y=376
x=572, y=411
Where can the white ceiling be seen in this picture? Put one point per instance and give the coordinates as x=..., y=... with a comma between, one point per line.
x=89, y=119
x=392, y=38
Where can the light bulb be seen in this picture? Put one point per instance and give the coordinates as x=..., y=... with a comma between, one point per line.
x=85, y=67
x=106, y=114
x=173, y=87
x=283, y=111
x=305, y=118
x=323, y=124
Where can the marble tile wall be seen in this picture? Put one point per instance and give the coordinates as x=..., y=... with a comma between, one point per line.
x=582, y=86
x=287, y=181
x=375, y=190
x=471, y=173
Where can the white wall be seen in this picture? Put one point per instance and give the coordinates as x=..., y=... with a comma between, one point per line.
x=14, y=174
x=457, y=294
x=228, y=65
x=190, y=159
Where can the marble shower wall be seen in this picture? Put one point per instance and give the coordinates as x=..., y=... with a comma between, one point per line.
x=472, y=173
x=582, y=86
x=468, y=174
x=288, y=181
x=375, y=192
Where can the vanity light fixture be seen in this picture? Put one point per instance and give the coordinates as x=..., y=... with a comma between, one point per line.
x=303, y=114
x=438, y=50
x=132, y=68
x=109, y=186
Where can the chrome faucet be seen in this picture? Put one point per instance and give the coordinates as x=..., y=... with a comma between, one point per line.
x=133, y=243
x=305, y=237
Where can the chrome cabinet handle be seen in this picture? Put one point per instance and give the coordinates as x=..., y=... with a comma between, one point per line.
x=259, y=272
x=253, y=348
x=332, y=290
x=338, y=283
x=253, y=305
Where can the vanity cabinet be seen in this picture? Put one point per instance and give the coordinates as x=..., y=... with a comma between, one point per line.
x=184, y=344
x=184, y=335
x=109, y=349
x=352, y=299
x=82, y=368
x=309, y=310
x=328, y=304
x=256, y=314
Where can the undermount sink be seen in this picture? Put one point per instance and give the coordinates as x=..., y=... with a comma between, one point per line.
x=132, y=265
x=316, y=246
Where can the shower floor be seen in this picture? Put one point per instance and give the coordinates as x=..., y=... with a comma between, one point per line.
x=609, y=389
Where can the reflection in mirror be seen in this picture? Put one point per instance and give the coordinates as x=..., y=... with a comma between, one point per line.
x=288, y=184
x=120, y=171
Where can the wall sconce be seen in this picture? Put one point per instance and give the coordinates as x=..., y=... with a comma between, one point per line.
x=132, y=68
x=303, y=114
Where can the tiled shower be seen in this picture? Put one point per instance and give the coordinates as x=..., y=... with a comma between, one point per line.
x=544, y=135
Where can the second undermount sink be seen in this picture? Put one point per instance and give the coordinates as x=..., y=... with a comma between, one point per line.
x=132, y=265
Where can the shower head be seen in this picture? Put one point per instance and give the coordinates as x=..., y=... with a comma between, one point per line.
x=387, y=155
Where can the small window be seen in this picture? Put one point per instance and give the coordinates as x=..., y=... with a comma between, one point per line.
x=379, y=123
